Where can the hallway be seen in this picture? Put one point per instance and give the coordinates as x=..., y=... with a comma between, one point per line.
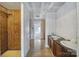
x=39, y=49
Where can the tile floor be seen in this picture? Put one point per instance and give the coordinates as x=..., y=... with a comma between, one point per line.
x=46, y=52
x=12, y=53
x=39, y=50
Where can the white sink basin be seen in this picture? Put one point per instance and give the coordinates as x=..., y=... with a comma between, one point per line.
x=69, y=44
x=55, y=37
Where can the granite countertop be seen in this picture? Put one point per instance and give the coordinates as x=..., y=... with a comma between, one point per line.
x=62, y=39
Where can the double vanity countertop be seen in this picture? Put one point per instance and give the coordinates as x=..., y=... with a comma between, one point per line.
x=67, y=44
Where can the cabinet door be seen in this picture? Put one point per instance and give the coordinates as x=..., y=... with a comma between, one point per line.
x=49, y=41
x=51, y=44
x=58, y=50
x=54, y=48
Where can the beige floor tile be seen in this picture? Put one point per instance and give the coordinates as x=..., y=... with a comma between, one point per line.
x=46, y=52
x=12, y=53
x=40, y=50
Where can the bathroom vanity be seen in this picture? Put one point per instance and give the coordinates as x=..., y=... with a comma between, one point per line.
x=60, y=50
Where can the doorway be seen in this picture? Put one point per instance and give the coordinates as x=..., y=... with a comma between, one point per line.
x=10, y=31
x=39, y=34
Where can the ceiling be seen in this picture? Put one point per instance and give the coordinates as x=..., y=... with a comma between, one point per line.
x=11, y=5
x=39, y=9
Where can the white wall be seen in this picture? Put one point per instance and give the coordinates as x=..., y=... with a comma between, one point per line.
x=26, y=40
x=78, y=29
x=66, y=21
x=50, y=26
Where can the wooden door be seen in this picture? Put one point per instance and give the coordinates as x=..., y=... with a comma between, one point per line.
x=43, y=29
x=14, y=29
x=3, y=32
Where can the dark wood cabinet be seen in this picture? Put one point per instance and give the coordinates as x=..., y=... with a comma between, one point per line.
x=49, y=41
x=59, y=50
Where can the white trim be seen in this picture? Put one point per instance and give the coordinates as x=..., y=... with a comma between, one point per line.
x=22, y=33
